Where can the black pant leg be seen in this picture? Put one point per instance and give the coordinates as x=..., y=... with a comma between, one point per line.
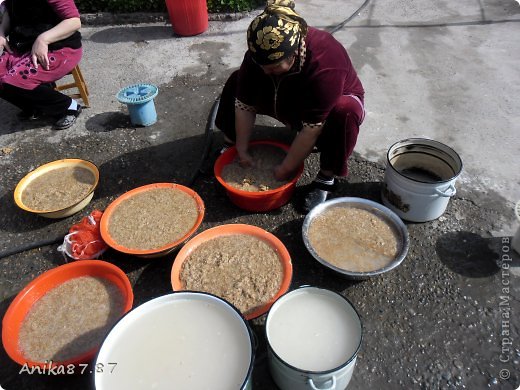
x=9, y=94
x=44, y=98
x=225, y=119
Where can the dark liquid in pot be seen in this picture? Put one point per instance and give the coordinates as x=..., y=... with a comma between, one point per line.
x=420, y=174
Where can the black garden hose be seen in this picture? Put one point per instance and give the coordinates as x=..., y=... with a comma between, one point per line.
x=339, y=26
x=32, y=245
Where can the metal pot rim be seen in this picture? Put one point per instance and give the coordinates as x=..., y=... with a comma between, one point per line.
x=390, y=216
x=437, y=146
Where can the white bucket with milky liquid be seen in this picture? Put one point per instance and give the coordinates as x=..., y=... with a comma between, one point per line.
x=313, y=338
x=184, y=340
x=420, y=178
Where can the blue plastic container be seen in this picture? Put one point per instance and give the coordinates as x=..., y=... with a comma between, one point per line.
x=139, y=99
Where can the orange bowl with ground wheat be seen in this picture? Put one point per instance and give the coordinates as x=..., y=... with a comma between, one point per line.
x=41, y=285
x=165, y=249
x=231, y=230
x=260, y=200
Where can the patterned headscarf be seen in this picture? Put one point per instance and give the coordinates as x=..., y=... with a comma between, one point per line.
x=276, y=33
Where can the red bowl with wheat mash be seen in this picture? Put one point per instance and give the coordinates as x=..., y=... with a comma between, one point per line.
x=261, y=200
x=163, y=249
x=233, y=230
x=43, y=284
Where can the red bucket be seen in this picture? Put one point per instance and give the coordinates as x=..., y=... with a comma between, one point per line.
x=188, y=17
x=256, y=201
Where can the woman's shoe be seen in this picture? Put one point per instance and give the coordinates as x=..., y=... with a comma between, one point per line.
x=28, y=115
x=316, y=194
x=68, y=119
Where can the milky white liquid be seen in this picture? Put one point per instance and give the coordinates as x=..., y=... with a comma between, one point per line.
x=313, y=331
x=179, y=344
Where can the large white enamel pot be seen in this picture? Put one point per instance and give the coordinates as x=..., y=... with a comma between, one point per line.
x=313, y=338
x=420, y=178
x=185, y=340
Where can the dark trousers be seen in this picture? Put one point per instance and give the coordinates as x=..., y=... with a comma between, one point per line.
x=336, y=141
x=43, y=99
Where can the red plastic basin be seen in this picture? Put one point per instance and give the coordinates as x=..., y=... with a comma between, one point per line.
x=256, y=201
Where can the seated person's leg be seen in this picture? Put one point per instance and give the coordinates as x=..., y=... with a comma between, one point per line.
x=339, y=136
x=8, y=66
x=11, y=94
x=336, y=143
x=43, y=99
x=56, y=104
x=35, y=87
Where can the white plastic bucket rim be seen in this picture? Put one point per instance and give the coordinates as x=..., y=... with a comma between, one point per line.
x=143, y=307
x=309, y=372
x=431, y=145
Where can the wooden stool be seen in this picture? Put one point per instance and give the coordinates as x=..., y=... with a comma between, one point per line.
x=79, y=83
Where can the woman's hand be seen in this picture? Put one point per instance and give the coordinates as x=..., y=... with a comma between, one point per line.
x=280, y=173
x=39, y=53
x=300, y=148
x=40, y=49
x=4, y=45
x=4, y=31
x=244, y=122
x=245, y=160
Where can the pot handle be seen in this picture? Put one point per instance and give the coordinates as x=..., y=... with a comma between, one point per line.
x=331, y=387
x=448, y=192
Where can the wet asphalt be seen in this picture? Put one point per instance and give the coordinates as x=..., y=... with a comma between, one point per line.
x=435, y=322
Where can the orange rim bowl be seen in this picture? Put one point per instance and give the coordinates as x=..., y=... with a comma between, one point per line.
x=105, y=219
x=232, y=229
x=256, y=201
x=43, y=169
x=38, y=287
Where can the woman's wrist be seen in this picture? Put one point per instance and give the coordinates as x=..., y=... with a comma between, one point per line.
x=42, y=38
x=282, y=173
x=242, y=143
